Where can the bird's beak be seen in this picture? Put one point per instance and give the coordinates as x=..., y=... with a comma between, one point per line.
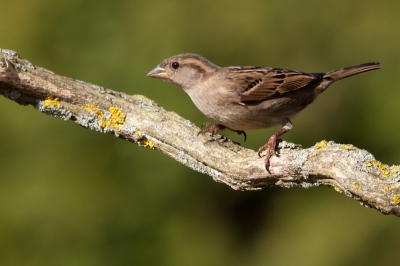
x=159, y=72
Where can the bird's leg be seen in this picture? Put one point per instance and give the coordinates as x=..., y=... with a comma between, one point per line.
x=215, y=128
x=273, y=140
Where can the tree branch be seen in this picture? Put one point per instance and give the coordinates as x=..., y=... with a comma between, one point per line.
x=136, y=118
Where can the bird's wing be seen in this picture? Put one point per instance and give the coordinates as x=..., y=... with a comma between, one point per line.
x=257, y=83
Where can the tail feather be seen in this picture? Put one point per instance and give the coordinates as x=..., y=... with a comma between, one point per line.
x=351, y=71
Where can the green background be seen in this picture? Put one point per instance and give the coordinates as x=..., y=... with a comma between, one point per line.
x=70, y=196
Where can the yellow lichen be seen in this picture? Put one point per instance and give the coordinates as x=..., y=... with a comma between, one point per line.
x=396, y=199
x=90, y=107
x=147, y=143
x=51, y=101
x=143, y=141
x=347, y=147
x=386, y=188
x=138, y=134
x=99, y=112
x=141, y=96
x=115, y=120
x=321, y=144
x=394, y=169
x=336, y=189
x=383, y=168
x=356, y=186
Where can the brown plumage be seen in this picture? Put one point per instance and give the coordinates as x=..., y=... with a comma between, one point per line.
x=243, y=98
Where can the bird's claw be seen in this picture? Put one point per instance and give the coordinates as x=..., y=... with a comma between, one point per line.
x=240, y=132
x=270, y=146
x=213, y=129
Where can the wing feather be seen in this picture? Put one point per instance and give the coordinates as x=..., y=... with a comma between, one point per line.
x=256, y=83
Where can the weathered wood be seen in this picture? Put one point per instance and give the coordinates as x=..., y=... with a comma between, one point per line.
x=136, y=118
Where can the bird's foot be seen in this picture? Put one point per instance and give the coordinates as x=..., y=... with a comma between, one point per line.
x=270, y=147
x=213, y=129
x=210, y=128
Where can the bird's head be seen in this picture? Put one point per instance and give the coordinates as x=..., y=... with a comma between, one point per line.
x=185, y=70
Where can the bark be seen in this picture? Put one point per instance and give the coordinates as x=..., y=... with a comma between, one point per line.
x=135, y=118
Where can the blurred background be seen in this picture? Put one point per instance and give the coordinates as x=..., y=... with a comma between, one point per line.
x=70, y=196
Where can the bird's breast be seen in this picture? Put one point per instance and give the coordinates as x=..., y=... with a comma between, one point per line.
x=225, y=108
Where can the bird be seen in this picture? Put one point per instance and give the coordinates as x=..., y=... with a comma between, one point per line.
x=243, y=98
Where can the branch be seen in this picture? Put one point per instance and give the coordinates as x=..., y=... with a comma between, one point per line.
x=136, y=118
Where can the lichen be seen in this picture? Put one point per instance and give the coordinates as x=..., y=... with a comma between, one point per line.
x=320, y=144
x=115, y=120
x=98, y=88
x=29, y=64
x=181, y=157
x=128, y=129
x=52, y=106
x=287, y=146
x=299, y=158
x=305, y=174
x=102, y=120
x=347, y=147
x=396, y=199
x=138, y=134
x=139, y=96
x=383, y=168
x=9, y=52
x=143, y=141
x=112, y=119
x=197, y=166
x=146, y=143
x=394, y=169
x=146, y=102
x=188, y=123
x=51, y=101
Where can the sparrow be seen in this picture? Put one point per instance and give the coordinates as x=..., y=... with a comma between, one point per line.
x=243, y=98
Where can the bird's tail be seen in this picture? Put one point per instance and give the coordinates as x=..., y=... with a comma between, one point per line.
x=351, y=71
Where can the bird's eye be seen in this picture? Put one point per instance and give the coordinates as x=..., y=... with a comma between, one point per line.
x=175, y=65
